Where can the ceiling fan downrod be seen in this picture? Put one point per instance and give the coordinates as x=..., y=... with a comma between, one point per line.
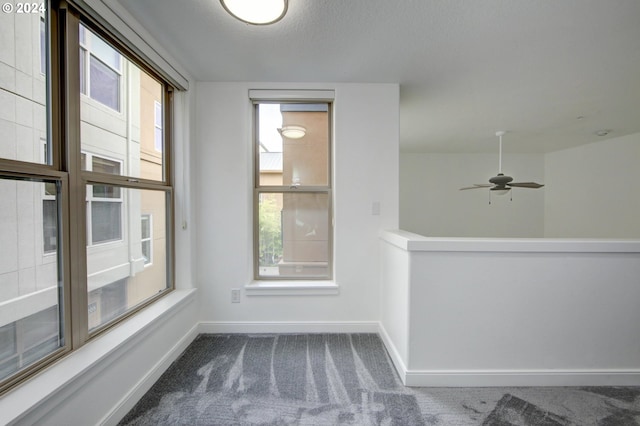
x=500, y=134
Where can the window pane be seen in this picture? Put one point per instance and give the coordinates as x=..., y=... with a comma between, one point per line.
x=50, y=225
x=107, y=54
x=146, y=251
x=146, y=238
x=300, y=159
x=23, y=94
x=145, y=227
x=106, y=221
x=293, y=235
x=103, y=165
x=158, y=127
x=83, y=72
x=106, y=191
x=128, y=138
x=157, y=117
x=30, y=309
x=117, y=277
x=104, y=84
x=40, y=333
x=43, y=47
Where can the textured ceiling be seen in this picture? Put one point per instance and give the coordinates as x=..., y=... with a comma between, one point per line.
x=551, y=72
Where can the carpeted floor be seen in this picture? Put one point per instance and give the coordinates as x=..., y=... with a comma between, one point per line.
x=335, y=379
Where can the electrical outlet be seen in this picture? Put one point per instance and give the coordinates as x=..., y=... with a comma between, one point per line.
x=375, y=208
x=235, y=295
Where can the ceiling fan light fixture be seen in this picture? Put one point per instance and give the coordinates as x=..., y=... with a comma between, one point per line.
x=256, y=12
x=501, y=184
x=499, y=191
x=293, y=132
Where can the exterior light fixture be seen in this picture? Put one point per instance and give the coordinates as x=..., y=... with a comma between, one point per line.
x=256, y=12
x=292, y=132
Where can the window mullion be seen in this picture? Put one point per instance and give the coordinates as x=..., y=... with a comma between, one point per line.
x=77, y=198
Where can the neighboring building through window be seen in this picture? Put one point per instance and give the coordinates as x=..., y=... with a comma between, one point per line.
x=146, y=238
x=157, y=118
x=28, y=339
x=292, y=196
x=43, y=47
x=49, y=209
x=104, y=202
x=50, y=218
x=100, y=69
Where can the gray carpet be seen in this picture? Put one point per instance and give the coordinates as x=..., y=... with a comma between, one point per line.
x=335, y=379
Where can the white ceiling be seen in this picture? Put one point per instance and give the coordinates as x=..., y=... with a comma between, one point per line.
x=551, y=72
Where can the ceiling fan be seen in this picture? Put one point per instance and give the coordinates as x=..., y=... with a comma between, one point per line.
x=501, y=184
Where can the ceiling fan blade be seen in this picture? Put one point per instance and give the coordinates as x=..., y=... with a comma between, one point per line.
x=532, y=185
x=477, y=186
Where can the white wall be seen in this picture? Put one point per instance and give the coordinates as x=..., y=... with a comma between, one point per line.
x=516, y=312
x=594, y=190
x=365, y=170
x=590, y=191
x=432, y=204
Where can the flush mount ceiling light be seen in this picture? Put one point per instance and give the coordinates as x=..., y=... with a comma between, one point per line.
x=293, y=132
x=256, y=12
x=603, y=132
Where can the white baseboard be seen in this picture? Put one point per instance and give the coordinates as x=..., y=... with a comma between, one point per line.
x=133, y=396
x=288, y=327
x=396, y=359
x=518, y=378
x=506, y=378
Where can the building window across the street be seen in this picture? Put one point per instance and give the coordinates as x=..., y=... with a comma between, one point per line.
x=100, y=69
x=146, y=238
x=157, y=122
x=104, y=203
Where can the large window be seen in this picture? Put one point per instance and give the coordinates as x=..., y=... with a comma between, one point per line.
x=80, y=180
x=292, y=195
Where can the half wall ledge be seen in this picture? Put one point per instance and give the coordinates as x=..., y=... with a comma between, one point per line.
x=511, y=312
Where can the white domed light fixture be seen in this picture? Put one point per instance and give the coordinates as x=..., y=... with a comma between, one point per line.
x=293, y=132
x=256, y=12
x=499, y=191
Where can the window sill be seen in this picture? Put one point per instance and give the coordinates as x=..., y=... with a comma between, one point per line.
x=291, y=288
x=68, y=374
